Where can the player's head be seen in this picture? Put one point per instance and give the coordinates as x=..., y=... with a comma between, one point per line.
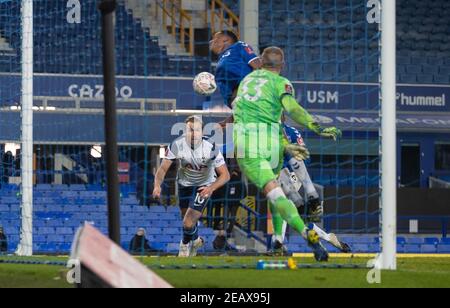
x=222, y=40
x=141, y=232
x=194, y=130
x=273, y=59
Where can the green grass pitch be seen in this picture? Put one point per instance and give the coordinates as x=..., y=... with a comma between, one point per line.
x=412, y=272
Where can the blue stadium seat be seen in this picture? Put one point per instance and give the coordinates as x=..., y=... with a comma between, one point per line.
x=54, y=223
x=400, y=248
x=77, y=187
x=430, y=69
x=428, y=249
x=401, y=240
x=12, y=230
x=45, y=247
x=441, y=79
x=173, y=209
x=39, y=238
x=174, y=223
x=155, y=231
x=425, y=79
x=298, y=248
x=410, y=248
x=170, y=248
x=443, y=248
x=159, y=246
x=159, y=223
x=415, y=240
x=165, y=239
x=362, y=240
x=55, y=238
x=64, y=231
x=408, y=78
x=64, y=247
x=157, y=209
x=296, y=240
x=172, y=231
x=168, y=216
x=431, y=241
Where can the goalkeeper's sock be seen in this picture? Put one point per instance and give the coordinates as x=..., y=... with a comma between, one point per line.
x=190, y=235
x=277, y=222
x=302, y=174
x=287, y=209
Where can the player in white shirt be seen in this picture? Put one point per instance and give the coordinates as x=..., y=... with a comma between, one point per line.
x=202, y=171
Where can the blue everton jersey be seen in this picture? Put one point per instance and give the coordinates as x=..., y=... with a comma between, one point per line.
x=233, y=67
x=294, y=136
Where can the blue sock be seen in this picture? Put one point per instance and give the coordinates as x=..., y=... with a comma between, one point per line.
x=190, y=235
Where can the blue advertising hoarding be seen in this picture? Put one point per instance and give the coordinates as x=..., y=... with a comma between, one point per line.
x=357, y=96
x=352, y=107
x=88, y=128
x=312, y=95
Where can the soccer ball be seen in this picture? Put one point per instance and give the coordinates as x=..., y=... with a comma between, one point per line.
x=205, y=84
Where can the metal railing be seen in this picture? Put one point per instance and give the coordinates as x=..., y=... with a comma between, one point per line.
x=438, y=183
x=140, y=106
x=226, y=18
x=178, y=22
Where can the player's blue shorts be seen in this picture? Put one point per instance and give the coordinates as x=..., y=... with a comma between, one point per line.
x=190, y=198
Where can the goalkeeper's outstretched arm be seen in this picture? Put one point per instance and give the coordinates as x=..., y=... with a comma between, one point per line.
x=302, y=117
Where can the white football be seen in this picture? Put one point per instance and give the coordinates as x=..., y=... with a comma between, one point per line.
x=205, y=84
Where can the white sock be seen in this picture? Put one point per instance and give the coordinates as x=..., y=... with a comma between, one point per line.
x=302, y=174
x=322, y=234
x=276, y=194
x=283, y=236
x=278, y=238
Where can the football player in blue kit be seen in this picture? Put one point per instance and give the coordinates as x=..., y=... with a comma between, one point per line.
x=236, y=60
x=312, y=204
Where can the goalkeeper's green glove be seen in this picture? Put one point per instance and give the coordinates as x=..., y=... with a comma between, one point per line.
x=297, y=151
x=329, y=132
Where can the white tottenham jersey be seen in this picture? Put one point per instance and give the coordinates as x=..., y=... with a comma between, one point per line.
x=197, y=166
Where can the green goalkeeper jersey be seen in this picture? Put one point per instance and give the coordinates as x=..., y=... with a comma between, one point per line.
x=259, y=98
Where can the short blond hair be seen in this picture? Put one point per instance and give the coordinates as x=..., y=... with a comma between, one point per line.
x=194, y=119
x=272, y=57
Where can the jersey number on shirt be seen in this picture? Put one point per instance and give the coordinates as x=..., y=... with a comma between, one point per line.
x=199, y=201
x=256, y=85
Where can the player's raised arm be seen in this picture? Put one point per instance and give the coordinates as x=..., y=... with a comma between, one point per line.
x=302, y=117
x=160, y=176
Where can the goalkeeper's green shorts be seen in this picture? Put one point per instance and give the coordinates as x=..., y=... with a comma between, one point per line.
x=261, y=166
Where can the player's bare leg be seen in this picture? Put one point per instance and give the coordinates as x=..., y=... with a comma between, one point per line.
x=191, y=242
x=183, y=213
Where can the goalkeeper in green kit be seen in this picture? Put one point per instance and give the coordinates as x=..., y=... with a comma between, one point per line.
x=260, y=146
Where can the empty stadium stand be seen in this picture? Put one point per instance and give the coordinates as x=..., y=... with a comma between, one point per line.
x=74, y=48
x=315, y=50
x=60, y=209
